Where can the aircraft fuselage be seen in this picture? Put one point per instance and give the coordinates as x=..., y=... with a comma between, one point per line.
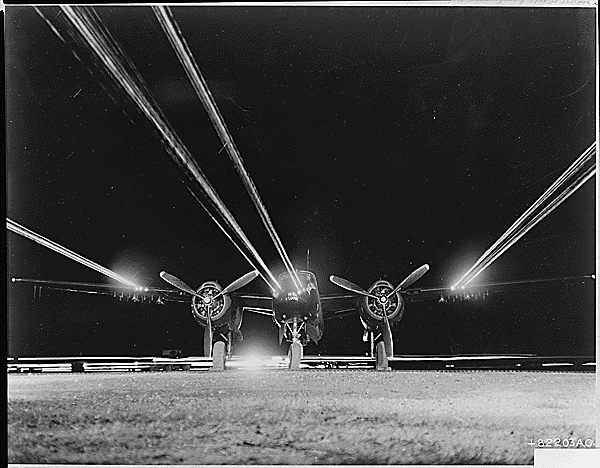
x=299, y=308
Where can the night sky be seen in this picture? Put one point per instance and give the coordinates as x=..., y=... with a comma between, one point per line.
x=380, y=138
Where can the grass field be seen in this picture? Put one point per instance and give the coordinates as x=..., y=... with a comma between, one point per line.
x=306, y=417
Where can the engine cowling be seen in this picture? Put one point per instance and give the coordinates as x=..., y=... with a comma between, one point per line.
x=218, y=308
x=371, y=310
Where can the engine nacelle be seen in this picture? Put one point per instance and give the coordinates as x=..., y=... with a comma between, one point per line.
x=219, y=308
x=371, y=310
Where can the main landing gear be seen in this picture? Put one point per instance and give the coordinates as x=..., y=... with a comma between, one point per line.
x=371, y=343
x=379, y=351
x=369, y=335
x=229, y=346
x=218, y=356
x=221, y=351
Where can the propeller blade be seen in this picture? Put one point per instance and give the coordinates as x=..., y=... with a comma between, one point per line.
x=208, y=336
x=410, y=279
x=238, y=283
x=179, y=284
x=387, y=337
x=350, y=286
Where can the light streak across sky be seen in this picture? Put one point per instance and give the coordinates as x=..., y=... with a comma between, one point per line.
x=551, y=207
x=166, y=20
x=115, y=61
x=528, y=220
x=226, y=233
x=29, y=234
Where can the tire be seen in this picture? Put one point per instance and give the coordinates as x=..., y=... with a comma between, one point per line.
x=219, y=356
x=381, y=357
x=295, y=356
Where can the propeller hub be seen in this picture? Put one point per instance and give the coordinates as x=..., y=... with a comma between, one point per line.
x=207, y=299
x=383, y=299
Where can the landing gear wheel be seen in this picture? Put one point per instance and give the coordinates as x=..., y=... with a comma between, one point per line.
x=295, y=356
x=381, y=356
x=219, y=356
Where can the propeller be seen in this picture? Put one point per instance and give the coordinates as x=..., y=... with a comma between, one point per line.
x=208, y=337
x=410, y=279
x=350, y=286
x=383, y=300
x=388, y=340
x=234, y=286
x=183, y=286
x=238, y=283
x=179, y=284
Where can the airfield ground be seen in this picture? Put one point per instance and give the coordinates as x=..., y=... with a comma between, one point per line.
x=268, y=416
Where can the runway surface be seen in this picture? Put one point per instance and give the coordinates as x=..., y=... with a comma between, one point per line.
x=272, y=416
x=513, y=362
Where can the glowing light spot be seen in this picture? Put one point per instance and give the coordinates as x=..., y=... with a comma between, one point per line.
x=252, y=362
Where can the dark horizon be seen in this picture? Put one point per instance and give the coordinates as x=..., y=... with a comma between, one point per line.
x=379, y=138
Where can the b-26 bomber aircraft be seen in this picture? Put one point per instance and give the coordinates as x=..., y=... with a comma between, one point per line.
x=299, y=314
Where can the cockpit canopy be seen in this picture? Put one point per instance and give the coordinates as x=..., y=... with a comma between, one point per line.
x=308, y=281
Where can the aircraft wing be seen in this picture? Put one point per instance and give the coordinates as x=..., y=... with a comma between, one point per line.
x=476, y=292
x=259, y=304
x=259, y=310
x=339, y=305
x=143, y=294
x=256, y=303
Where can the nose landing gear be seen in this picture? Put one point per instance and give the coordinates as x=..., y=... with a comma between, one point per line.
x=295, y=350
